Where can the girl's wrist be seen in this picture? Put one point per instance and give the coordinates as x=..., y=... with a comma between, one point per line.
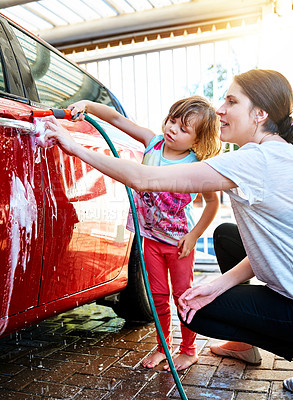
x=86, y=107
x=195, y=238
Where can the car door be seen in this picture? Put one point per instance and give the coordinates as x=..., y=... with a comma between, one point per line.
x=85, y=240
x=21, y=194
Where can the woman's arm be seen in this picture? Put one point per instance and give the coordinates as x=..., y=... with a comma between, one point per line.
x=195, y=298
x=184, y=178
x=188, y=241
x=114, y=118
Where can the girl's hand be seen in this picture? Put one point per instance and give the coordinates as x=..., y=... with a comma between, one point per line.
x=186, y=244
x=56, y=134
x=194, y=299
x=78, y=108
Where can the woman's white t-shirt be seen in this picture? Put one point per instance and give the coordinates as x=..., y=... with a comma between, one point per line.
x=263, y=208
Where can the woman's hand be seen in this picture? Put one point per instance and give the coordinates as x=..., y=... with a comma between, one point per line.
x=194, y=299
x=56, y=134
x=186, y=244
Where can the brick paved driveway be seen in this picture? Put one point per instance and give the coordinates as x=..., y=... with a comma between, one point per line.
x=90, y=354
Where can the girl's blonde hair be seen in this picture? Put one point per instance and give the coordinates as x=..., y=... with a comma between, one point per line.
x=207, y=126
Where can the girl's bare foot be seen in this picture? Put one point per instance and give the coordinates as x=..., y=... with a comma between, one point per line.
x=153, y=360
x=183, y=361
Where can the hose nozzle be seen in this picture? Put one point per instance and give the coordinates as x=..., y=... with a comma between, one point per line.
x=57, y=112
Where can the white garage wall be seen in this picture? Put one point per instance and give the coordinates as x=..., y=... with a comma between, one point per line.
x=148, y=84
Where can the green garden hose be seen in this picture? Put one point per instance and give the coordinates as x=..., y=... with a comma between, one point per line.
x=145, y=277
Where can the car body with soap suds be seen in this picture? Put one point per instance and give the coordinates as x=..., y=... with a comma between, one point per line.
x=63, y=240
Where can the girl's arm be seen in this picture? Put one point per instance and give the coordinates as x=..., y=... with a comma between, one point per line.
x=188, y=241
x=184, y=178
x=114, y=118
x=195, y=298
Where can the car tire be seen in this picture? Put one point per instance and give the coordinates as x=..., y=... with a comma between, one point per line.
x=134, y=304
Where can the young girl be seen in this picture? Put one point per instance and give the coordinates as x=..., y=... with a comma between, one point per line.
x=190, y=134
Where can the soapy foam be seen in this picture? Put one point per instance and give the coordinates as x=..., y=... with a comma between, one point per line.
x=23, y=216
x=41, y=133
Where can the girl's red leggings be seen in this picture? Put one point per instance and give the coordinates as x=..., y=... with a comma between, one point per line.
x=165, y=271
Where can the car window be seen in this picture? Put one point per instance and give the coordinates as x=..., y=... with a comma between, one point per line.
x=2, y=82
x=59, y=83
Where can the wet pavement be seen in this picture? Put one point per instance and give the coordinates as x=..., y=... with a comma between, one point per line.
x=90, y=353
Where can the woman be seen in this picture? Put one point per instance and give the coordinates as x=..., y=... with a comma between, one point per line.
x=258, y=103
x=256, y=116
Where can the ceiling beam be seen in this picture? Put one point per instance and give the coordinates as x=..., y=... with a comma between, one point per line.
x=11, y=3
x=197, y=11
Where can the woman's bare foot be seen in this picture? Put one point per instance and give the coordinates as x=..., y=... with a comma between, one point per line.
x=241, y=351
x=153, y=360
x=236, y=346
x=183, y=361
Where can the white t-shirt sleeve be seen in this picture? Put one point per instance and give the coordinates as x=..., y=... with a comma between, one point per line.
x=246, y=167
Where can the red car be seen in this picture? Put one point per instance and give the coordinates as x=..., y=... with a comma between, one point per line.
x=63, y=240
